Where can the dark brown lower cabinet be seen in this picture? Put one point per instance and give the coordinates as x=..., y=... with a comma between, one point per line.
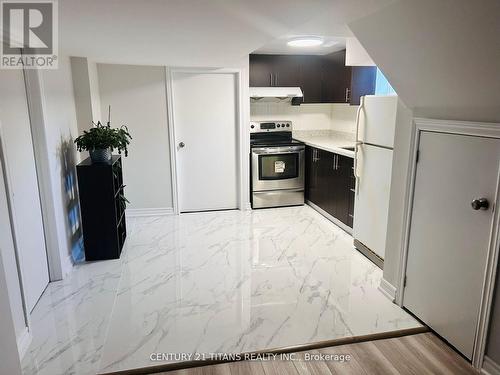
x=330, y=183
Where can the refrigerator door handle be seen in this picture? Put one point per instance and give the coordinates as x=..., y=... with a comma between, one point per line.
x=358, y=142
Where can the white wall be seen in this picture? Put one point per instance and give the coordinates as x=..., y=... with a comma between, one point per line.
x=397, y=200
x=95, y=97
x=344, y=118
x=138, y=99
x=61, y=130
x=355, y=54
x=338, y=117
x=81, y=90
x=86, y=92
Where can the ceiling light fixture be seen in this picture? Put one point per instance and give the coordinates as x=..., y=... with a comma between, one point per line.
x=330, y=44
x=305, y=42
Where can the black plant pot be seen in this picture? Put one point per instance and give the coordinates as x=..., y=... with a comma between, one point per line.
x=101, y=155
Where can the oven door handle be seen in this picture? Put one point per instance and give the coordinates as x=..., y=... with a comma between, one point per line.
x=277, y=150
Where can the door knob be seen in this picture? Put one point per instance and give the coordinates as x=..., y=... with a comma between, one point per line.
x=182, y=144
x=480, y=204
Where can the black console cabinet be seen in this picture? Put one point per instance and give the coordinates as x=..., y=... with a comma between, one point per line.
x=102, y=206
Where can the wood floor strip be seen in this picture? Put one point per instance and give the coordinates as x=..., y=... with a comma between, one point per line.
x=372, y=360
x=308, y=367
x=351, y=367
x=279, y=367
x=246, y=368
x=420, y=354
x=403, y=360
x=445, y=354
x=168, y=367
x=424, y=356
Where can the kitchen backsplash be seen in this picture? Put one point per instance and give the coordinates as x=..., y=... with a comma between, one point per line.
x=337, y=134
x=335, y=117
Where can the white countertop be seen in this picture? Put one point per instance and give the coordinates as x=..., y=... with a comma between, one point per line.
x=332, y=142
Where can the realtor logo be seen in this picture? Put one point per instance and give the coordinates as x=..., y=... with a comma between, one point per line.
x=29, y=34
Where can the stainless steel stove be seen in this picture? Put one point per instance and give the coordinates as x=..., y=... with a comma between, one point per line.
x=277, y=170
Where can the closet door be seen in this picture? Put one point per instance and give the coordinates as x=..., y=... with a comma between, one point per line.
x=455, y=188
x=22, y=181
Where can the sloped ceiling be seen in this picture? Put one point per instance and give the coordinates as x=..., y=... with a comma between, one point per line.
x=441, y=56
x=177, y=32
x=198, y=32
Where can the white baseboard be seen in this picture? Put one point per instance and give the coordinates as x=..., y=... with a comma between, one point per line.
x=490, y=367
x=141, y=212
x=246, y=206
x=23, y=342
x=387, y=289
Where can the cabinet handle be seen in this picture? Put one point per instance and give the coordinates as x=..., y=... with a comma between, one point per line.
x=270, y=79
x=347, y=96
x=334, y=162
x=317, y=155
x=276, y=79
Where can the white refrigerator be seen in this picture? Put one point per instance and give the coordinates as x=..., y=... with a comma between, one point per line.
x=376, y=123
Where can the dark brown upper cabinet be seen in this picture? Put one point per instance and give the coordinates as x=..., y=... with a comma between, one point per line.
x=286, y=70
x=362, y=82
x=261, y=70
x=323, y=79
x=310, y=79
x=274, y=70
x=336, y=82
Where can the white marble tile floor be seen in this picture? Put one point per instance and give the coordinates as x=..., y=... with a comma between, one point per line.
x=217, y=282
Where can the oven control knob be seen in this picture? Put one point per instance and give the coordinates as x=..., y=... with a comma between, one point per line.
x=279, y=125
x=252, y=126
x=287, y=125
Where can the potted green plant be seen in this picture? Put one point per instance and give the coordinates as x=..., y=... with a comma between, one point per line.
x=101, y=140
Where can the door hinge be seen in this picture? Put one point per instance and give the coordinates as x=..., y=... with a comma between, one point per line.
x=418, y=155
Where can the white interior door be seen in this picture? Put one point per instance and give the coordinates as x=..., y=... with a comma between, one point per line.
x=204, y=111
x=371, y=206
x=23, y=184
x=448, y=238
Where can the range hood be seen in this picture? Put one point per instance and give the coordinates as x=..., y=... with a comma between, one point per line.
x=292, y=95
